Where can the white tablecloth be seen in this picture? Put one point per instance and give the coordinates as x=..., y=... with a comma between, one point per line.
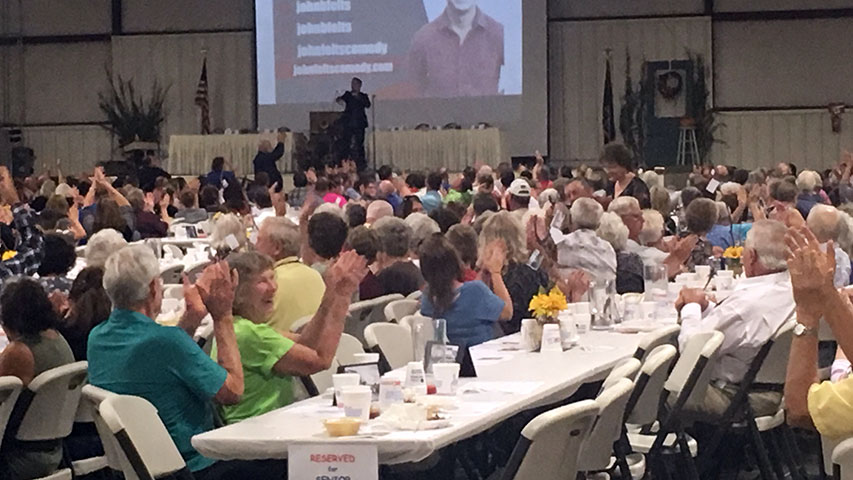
x=192, y=154
x=512, y=381
x=430, y=149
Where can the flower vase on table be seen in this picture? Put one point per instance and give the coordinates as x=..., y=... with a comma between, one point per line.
x=732, y=256
x=546, y=307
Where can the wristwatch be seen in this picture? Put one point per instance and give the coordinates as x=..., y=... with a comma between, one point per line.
x=801, y=330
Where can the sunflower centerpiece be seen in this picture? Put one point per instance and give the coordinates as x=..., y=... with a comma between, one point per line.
x=547, y=305
x=733, y=255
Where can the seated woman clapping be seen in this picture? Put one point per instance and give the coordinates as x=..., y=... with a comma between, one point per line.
x=270, y=359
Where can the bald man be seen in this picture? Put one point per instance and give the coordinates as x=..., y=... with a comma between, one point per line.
x=827, y=224
x=378, y=209
x=388, y=192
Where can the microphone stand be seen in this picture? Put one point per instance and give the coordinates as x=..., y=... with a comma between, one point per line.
x=373, y=121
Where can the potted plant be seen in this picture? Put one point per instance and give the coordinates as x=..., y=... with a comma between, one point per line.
x=130, y=116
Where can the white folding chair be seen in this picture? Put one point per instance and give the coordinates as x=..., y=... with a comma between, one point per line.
x=398, y=309
x=348, y=346
x=409, y=320
x=362, y=314
x=393, y=342
x=174, y=250
x=52, y=399
x=194, y=271
x=550, y=444
x=612, y=401
x=297, y=325
x=416, y=295
x=173, y=291
x=172, y=275
x=203, y=335
x=661, y=336
x=687, y=385
x=143, y=438
x=648, y=389
x=842, y=460
x=87, y=412
x=627, y=369
x=10, y=388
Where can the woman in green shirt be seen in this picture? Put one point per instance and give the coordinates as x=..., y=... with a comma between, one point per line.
x=270, y=359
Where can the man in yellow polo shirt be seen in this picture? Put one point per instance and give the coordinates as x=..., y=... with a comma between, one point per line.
x=300, y=287
x=826, y=406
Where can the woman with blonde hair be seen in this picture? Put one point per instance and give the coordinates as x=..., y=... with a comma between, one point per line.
x=522, y=280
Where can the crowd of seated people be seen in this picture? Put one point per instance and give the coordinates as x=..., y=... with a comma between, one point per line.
x=478, y=244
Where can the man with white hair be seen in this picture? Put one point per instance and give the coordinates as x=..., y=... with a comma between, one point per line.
x=826, y=224
x=583, y=249
x=628, y=208
x=103, y=244
x=749, y=317
x=130, y=354
x=300, y=287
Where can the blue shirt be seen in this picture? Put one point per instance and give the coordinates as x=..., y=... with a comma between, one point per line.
x=471, y=319
x=129, y=354
x=431, y=200
x=215, y=178
x=725, y=236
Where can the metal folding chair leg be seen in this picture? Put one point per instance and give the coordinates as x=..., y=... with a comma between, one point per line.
x=763, y=460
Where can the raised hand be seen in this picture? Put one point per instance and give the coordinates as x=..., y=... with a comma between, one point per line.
x=812, y=270
x=683, y=247
x=494, y=257
x=574, y=285
x=346, y=273
x=192, y=297
x=216, y=287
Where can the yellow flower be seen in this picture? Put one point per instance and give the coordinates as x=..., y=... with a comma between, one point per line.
x=548, y=304
x=733, y=252
x=9, y=254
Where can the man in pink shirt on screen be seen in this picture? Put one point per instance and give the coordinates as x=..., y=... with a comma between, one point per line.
x=458, y=54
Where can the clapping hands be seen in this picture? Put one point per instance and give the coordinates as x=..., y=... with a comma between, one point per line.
x=346, y=273
x=216, y=288
x=812, y=270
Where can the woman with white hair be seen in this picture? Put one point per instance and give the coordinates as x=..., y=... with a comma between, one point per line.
x=228, y=234
x=629, y=266
x=653, y=228
x=809, y=183
x=103, y=244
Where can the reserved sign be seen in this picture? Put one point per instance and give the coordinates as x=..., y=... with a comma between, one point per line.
x=332, y=462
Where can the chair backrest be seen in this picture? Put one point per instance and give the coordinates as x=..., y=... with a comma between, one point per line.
x=173, y=291
x=173, y=250
x=10, y=388
x=416, y=295
x=842, y=460
x=398, y=309
x=348, y=346
x=626, y=369
x=297, y=324
x=366, y=312
x=691, y=376
x=661, y=336
x=394, y=342
x=92, y=398
x=645, y=399
x=194, y=271
x=775, y=365
x=608, y=425
x=172, y=275
x=53, y=407
x=409, y=320
x=203, y=336
x=550, y=443
x=142, y=436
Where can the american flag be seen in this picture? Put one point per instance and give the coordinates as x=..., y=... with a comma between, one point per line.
x=201, y=99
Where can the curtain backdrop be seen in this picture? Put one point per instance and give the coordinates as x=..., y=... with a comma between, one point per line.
x=577, y=71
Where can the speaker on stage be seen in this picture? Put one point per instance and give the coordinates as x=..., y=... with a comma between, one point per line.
x=23, y=162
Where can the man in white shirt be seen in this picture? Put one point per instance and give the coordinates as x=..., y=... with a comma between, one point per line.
x=583, y=249
x=756, y=309
x=826, y=223
x=628, y=208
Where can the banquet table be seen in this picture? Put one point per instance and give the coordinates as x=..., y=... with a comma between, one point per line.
x=508, y=381
x=430, y=149
x=192, y=154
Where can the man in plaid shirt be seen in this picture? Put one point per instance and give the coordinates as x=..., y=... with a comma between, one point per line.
x=22, y=220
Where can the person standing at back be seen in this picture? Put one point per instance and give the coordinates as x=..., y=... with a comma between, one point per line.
x=354, y=121
x=266, y=158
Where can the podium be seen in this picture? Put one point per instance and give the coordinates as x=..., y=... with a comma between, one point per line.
x=325, y=136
